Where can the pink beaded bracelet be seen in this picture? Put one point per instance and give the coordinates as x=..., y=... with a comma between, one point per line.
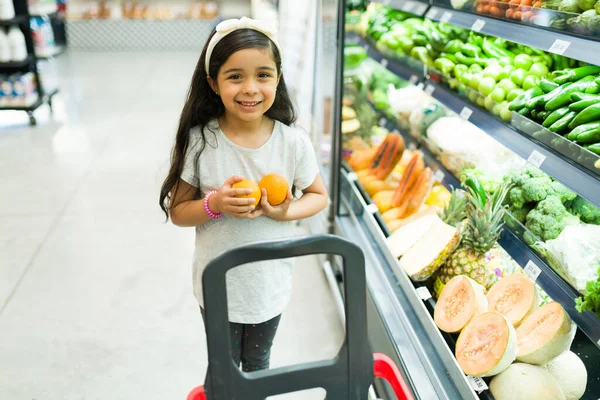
x=207, y=209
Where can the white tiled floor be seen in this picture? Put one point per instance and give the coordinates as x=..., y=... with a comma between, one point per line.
x=95, y=290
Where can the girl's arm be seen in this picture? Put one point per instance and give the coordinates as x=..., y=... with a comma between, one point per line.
x=186, y=211
x=313, y=200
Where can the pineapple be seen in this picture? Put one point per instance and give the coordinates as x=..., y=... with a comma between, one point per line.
x=455, y=211
x=482, y=229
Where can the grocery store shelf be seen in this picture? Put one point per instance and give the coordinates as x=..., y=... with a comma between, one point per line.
x=31, y=107
x=412, y=73
x=17, y=64
x=434, y=372
x=19, y=19
x=559, y=290
x=559, y=43
x=417, y=8
x=554, y=165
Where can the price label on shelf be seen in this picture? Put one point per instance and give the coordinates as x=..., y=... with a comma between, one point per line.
x=413, y=79
x=478, y=25
x=408, y=6
x=532, y=270
x=384, y=62
x=420, y=9
x=352, y=177
x=466, y=113
x=439, y=175
x=423, y=293
x=372, y=208
x=536, y=158
x=429, y=89
x=432, y=14
x=446, y=16
x=559, y=46
x=477, y=383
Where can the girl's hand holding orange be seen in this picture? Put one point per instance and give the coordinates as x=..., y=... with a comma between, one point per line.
x=275, y=212
x=236, y=198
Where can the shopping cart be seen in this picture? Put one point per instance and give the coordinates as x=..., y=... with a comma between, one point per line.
x=348, y=376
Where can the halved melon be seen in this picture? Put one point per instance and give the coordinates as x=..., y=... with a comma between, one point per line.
x=525, y=382
x=461, y=299
x=515, y=297
x=487, y=345
x=545, y=334
x=404, y=238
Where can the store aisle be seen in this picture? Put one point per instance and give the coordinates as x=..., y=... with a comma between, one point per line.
x=95, y=290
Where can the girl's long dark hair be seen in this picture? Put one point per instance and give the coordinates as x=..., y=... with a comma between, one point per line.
x=203, y=105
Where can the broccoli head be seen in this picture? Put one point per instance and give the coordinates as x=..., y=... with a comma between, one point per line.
x=532, y=185
x=520, y=214
x=585, y=210
x=548, y=219
x=562, y=192
x=537, y=189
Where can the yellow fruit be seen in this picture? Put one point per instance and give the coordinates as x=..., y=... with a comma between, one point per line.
x=375, y=186
x=249, y=184
x=438, y=196
x=383, y=200
x=277, y=188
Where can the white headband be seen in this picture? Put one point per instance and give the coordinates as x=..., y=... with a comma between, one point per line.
x=226, y=27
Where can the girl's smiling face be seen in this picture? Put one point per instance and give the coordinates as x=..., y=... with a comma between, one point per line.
x=247, y=83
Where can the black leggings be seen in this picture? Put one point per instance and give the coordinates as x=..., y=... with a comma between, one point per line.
x=251, y=343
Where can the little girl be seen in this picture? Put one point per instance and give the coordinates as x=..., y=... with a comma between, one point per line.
x=236, y=124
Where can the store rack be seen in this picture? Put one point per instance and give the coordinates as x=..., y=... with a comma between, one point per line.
x=30, y=64
x=555, y=165
x=358, y=218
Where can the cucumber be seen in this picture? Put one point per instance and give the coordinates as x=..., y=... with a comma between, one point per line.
x=594, y=148
x=555, y=116
x=590, y=113
x=588, y=137
x=562, y=124
x=583, y=104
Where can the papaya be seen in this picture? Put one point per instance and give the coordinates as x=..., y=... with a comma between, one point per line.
x=387, y=155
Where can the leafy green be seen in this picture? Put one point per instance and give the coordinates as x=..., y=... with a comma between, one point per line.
x=591, y=299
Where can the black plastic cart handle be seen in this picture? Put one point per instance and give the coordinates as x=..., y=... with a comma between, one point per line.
x=345, y=377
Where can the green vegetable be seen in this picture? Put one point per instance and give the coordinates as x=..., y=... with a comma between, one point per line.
x=564, y=96
x=555, y=116
x=591, y=300
x=538, y=69
x=548, y=219
x=526, y=112
x=578, y=96
x=591, y=113
x=582, y=128
x=562, y=124
x=493, y=51
x=422, y=55
x=536, y=101
x=448, y=56
x=463, y=59
x=530, y=82
x=532, y=185
x=594, y=148
x=527, y=95
x=548, y=85
x=570, y=6
x=589, y=137
x=523, y=61
x=571, y=75
x=486, y=85
x=472, y=182
x=498, y=95
x=471, y=50
x=518, y=76
x=583, y=104
x=586, y=4
x=513, y=94
x=444, y=65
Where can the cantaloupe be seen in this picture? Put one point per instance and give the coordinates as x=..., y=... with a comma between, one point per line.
x=525, y=382
x=461, y=300
x=515, y=297
x=569, y=372
x=405, y=237
x=545, y=334
x=487, y=345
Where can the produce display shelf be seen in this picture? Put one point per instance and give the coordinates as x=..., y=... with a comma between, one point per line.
x=560, y=168
x=511, y=240
x=412, y=73
x=559, y=290
x=31, y=107
x=17, y=64
x=417, y=8
x=532, y=36
x=551, y=163
x=18, y=20
x=451, y=384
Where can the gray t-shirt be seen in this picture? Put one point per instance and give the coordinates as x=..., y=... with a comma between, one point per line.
x=259, y=291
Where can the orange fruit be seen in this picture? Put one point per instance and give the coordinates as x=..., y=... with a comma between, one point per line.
x=277, y=188
x=249, y=184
